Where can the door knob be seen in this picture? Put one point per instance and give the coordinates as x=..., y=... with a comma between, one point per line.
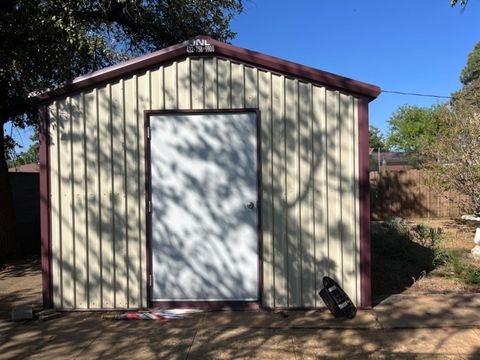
x=250, y=205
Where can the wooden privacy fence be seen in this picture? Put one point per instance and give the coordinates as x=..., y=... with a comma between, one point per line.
x=405, y=194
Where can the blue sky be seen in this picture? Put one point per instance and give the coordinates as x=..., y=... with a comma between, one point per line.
x=410, y=46
x=414, y=46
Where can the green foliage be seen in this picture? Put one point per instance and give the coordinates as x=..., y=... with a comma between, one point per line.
x=377, y=140
x=412, y=127
x=44, y=43
x=396, y=242
x=427, y=236
x=471, y=71
x=399, y=237
x=30, y=156
x=470, y=275
x=452, y=159
x=9, y=147
x=463, y=3
x=470, y=78
x=455, y=265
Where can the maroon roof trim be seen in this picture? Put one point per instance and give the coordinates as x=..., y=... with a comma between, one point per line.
x=229, y=51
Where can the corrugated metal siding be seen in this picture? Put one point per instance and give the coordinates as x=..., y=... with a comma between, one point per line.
x=309, y=158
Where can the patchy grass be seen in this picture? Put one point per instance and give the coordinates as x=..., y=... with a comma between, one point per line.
x=453, y=263
x=423, y=257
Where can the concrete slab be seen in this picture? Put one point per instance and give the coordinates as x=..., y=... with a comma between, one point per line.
x=315, y=319
x=244, y=319
x=425, y=327
x=245, y=343
x=81, y=335
x=403, y=311
x=59, y=338
x=335, y=343
x=22, y=340
x=392, y=343
x=140, y=340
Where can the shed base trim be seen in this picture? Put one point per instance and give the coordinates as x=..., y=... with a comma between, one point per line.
x=207, y=305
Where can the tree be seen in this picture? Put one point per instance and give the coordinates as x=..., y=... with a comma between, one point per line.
x=471, y=71
x=376, y=139
x=470, y=78
x=27, y=157
x=412, y=127
x=45, y=43
x=453, y=158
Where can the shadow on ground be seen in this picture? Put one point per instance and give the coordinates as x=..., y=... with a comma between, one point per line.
x=428, y=327
x=397, y=261
x=27, y=266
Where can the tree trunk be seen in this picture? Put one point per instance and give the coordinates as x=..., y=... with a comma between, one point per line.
x=7, y=210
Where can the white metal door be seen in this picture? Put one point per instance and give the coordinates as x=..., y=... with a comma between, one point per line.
x=204, y=212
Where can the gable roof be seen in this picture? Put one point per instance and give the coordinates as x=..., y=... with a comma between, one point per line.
x=219, y=48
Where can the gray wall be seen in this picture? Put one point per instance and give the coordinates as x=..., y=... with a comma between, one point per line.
x=309, y=179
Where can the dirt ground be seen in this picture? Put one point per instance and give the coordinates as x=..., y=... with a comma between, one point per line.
x=393, y=275
x=20, y=285
x=458, y=236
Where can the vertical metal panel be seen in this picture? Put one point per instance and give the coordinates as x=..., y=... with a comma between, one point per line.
x=184, y=95
x=106, y=209
x=279, y=188
x=224, y=84
x=265, y=106
x=156, y=88
x=210, y=82
x=320, y=189
x=93, y=203
x=79, y=216
x=348, y=194
x=251, y=79
x=307, y=249
x=196, y=76
x=140, y=271
x=66, y=205
x=309, y=157
x=293, y=192
x=119, y=202
x=237, y=86
x=131, y=165
x=170, y=85
x=333, y=183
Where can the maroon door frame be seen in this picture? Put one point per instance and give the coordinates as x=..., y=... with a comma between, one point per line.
x=214, y=305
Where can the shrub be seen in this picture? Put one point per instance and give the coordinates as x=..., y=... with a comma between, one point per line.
x=471, y=275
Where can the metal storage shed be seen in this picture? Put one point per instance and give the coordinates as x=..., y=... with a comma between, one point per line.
x=204, y=174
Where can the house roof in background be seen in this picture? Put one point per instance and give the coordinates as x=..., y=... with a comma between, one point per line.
x=27, y=168
x=222, y=49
